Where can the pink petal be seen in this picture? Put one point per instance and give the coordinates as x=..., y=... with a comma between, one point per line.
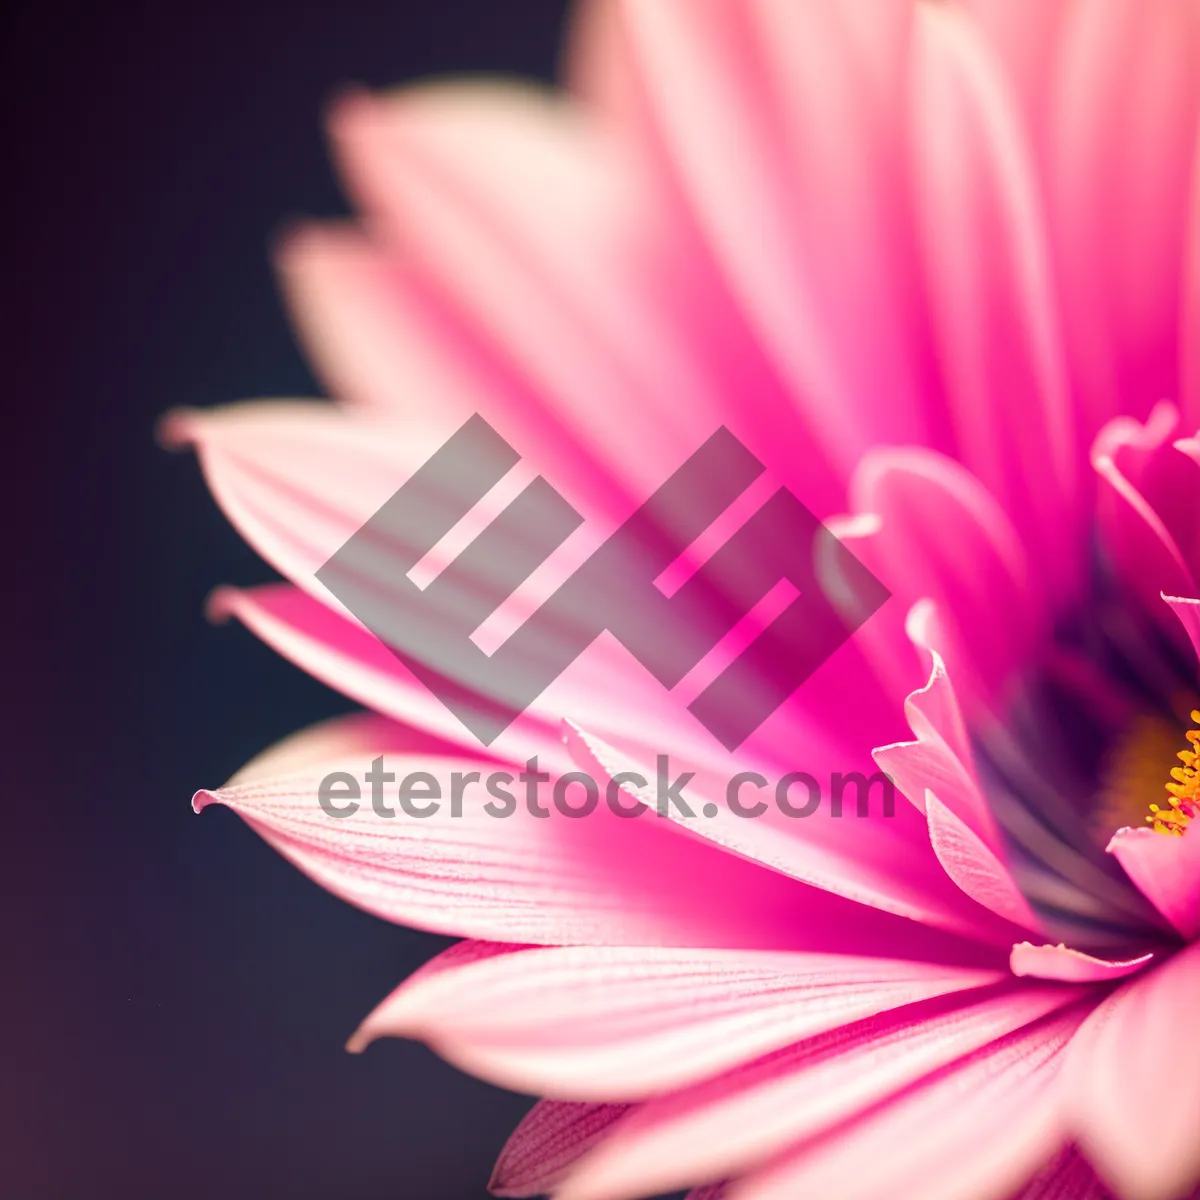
x=548, y=1142
x=1121, y=135
x=978, y=1128
x=346, y=656
x=1189, y=316
x=1147, y=505
x=874, y=861
x=987, y=263
x=619, y=1023
x=730, y=1124
x=1065, y=965
x=517, y=879
x=943, y=537
x=975, y=867
x=782, y=202
x=1187, y=610
x=562, y=274
x=1133, y=1083
x=1166, y=871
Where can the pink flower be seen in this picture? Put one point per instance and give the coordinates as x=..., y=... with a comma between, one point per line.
x=932, y=263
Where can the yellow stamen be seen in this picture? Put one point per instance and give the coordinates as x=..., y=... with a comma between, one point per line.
x=1183, y=792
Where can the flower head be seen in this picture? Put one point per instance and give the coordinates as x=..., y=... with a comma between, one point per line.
x=937, y=265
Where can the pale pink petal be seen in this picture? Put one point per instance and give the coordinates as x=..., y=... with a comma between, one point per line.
x=712, y=1191
x=978, y=1129
x=616, y=1023
x=299, y=479
x=343, y=654
x=548, y=1142
x=975, y=867
x=1027, y=36
x=1064, y=965
x=1133, y=1083
x=516, y=878
x=875, y=861
x=374, y=337
x=1166, y=871
x=1120, y=137
x=940, y=759
x=727, y=1125
x=561, y=271
x=991, y=289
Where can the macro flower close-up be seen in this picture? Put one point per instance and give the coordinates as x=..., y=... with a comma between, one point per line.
x=935, y=266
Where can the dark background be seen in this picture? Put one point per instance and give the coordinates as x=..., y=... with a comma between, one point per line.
x=174, y=996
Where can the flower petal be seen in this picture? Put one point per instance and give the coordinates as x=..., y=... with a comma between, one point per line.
x=727, y=1125
x=516, y=878
x=1120, y=135
x=988, y=267
x=943, y=537
x=1132, y=1083
x=1065, y=965
x=1068, y=1177
x=548, y=1142
x=876, y=862
x=781, y=202
x=975, y=867
x=1147, y=505
x=940, y=759
x=978, y=1128
x=1167, y=872
x=619, y=1023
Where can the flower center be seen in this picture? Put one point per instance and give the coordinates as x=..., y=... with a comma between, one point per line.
x=1183, y=792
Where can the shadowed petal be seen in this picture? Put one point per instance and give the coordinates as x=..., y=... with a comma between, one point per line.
x=548, y=1142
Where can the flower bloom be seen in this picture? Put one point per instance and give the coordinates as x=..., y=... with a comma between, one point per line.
x=938, y=266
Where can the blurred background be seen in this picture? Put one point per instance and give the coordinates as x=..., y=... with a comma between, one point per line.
x=175, y=996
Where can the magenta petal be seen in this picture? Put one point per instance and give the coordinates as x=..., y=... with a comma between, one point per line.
x=979, y=1127
x=725, y=1126
x=1133, y=1083
x=1188, y=612
x=550, y=1140
x=1166, y=870
x=1064, y=965
x=1068, y=1177
x=614, y=1023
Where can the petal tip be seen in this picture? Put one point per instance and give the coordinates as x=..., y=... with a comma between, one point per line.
x=177, y=430
x=203, y=798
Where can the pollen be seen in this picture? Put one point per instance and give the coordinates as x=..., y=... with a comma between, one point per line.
x=1183, y=792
